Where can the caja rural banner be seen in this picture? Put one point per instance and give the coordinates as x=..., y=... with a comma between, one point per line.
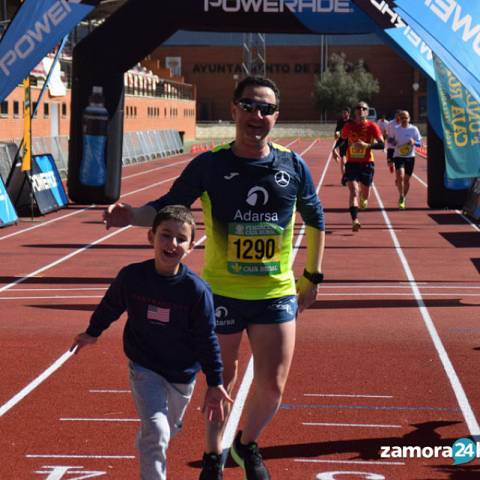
x=460, y=114
x=35, y=30
x=452, y=30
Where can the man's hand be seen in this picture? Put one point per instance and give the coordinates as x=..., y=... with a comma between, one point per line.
x=307, y=293
x=361, y=143
x=336, y=156
x=82, y=340
x=213, y=403
x=118, y=215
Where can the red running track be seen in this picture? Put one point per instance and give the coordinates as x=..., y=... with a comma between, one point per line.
x=385, y=358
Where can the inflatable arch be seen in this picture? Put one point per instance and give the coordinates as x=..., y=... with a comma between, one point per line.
x=139, y=26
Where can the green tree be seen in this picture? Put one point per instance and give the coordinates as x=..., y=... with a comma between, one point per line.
x=343, y=84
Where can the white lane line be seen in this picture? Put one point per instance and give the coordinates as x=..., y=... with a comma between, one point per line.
x=465, y=218
x=457, y=387
x=109, y=457
x=52, y=297
x=356, y=425
x=34, y=384
x=99, y=419
x=392, y=294
x=338, y=294
x=354, y=462
x=420, y=180
x=48, y=222
x=63, y=217
x=63, y=259
x=473, y=225
x=379, y=286
x=345, y=395
x=41, y=289
x=237, y=408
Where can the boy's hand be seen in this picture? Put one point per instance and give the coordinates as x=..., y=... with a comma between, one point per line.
x=391, y=167
x=81, y=341
x=336, y=155
x=213, y=403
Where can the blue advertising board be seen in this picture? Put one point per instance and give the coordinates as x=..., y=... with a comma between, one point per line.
x=46, y=184
x=8, y=215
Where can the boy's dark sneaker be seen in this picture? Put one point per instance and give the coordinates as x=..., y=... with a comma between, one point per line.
x=212, y=467
x=248, y=457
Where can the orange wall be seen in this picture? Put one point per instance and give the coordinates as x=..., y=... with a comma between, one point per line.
x=141, y=113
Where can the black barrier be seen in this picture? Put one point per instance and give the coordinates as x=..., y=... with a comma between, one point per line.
x=472, y=205
x=40, y=190
x=439, y=196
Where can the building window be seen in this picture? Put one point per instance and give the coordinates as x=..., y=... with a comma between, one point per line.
x=34, y=109
x=16, y=109
x=64, y=109
x=46, y=110
x=4, y=109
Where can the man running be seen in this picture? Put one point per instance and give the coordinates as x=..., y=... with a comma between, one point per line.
x=405, y=138
x=341, y=144
x=250, y=190
x=362, y=136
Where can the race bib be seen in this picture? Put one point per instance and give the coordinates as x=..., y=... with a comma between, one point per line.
x=254, y=248
x=357, y=151
x=405, y=150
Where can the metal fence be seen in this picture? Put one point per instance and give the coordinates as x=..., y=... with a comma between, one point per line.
x=137, y=147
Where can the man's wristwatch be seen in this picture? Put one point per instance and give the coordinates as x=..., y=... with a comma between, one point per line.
x=314, y=278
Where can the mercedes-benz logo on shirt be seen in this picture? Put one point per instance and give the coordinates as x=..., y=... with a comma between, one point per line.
x=221, y=312
x=282, y=178
x=255, y=194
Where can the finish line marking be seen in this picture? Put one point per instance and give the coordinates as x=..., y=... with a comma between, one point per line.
x=345, y=395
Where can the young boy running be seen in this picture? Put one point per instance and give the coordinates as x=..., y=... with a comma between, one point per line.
x=168, y=335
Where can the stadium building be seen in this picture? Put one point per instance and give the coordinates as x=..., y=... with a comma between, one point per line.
x=213, y=63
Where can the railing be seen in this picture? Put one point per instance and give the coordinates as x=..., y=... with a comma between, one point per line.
x=137, y=147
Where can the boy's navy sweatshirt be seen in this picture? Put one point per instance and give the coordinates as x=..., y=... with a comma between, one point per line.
x=170, y=324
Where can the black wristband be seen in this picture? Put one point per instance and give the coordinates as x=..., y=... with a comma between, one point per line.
x=314, y=278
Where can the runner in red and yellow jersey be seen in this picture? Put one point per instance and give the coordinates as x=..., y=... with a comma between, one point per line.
x=362, y=136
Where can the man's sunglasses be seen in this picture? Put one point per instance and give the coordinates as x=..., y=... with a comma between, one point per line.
x=361, y=108
x=251, y=105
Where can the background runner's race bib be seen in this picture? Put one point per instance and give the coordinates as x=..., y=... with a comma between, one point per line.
x=405, y=150
x=357, y=151
x=254, y=248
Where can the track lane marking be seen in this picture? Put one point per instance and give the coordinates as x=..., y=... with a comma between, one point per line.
x=63, y=217
x=109, y=457
x=455, y=383
x=353, y=425
x=35, y=383
x=347, y=395
x=355, y=462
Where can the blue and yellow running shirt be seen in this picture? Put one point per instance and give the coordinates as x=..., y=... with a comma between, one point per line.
x=249, y=210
